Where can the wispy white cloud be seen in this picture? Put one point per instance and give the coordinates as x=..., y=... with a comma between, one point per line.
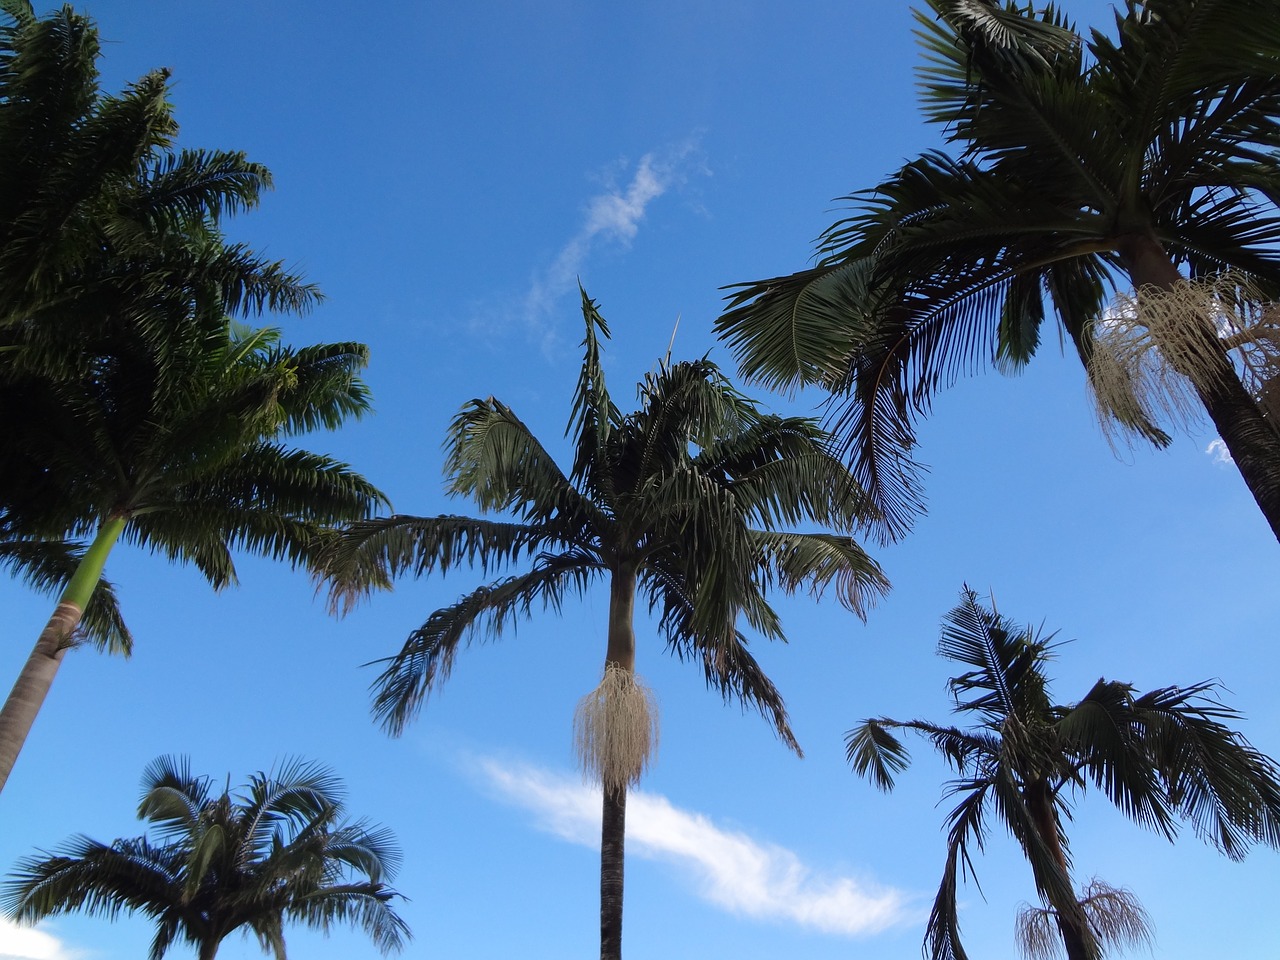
x=612, y=216
x=28, y=943
x=728, y=868
x=1217, y=449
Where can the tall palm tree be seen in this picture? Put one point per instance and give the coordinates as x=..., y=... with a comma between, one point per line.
x=680, y=502
x=130, y=407
x=184, y=458
x=1146, y=157
x=1158, y=756
x=279, y=851
x=99, y=220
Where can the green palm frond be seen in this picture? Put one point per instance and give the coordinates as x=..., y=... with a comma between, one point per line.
x=815, y=561
x=593, y=414
x=1213, y=777
x=125, y=876
x=967, y=825
x=1071, y=151
x=1007, y=660
x=427, y=656
x=1102, y=733
x=876, y=753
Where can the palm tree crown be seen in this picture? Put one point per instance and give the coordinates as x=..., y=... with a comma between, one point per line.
x=186, y=458
x=1159, y=757
x=278, y=852
x=1081, y=161
x=680, y=502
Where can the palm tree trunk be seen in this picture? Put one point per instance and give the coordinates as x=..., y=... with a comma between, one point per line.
x=613, y=831
x=613, y=820
x=1252, y=440
x=1073, y=926
x=209, y=948
x=33, y=683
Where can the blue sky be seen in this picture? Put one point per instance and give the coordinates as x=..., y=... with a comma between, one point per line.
x=446, y=173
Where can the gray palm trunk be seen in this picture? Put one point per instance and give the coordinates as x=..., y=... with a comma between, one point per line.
x=613, y=821
x=1251, y=439
x=18, y=715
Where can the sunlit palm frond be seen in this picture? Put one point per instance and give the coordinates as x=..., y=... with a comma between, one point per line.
x=815, y=561
x=493, y=459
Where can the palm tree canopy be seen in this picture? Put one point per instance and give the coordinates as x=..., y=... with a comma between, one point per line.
x=1077, y=157
x=683, y=498
x=110, y=244
x=1160, y=757
x=193, y=454
x=280, y=850
x=96, y=195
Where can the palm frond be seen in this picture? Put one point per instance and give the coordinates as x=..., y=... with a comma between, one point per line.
x=1213, y=776
x=371, y=554
x=275, y=851
x=818, y=560
x=428, y=654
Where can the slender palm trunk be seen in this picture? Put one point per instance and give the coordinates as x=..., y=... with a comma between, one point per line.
x=1073, y=926
x=613, y=833
x=1252, y=440
x=613, y=821
x=209, y=949
x=20, y=710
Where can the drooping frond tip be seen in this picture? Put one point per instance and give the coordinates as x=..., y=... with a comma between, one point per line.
x=615, y=729
x=1115, y=917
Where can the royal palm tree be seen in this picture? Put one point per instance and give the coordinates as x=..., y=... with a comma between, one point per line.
x=184, y=458
x=680, y=502
x=100, y=221
x=1158, y=757
x=94, y=195
x=280, y=851
x=1144, y=158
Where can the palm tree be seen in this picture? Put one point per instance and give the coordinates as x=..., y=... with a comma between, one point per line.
x=94, y=194
x=278, y=851
x=680, y=502
x=99, y=219
x=1082, y=162
x=1157, y=756
x=130, y=406
x=183, y=458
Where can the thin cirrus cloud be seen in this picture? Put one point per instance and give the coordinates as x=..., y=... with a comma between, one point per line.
x=27, y=943
x=613, y=216
x=728, y=869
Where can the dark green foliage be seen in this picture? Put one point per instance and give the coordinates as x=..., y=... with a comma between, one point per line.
x=279, y=851
x=1160, y=757
x=1079, y=161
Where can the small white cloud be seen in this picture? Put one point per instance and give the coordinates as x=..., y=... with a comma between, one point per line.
x=729, y=868
x=614, y=215
x=28, y=943
x=1219, y=452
